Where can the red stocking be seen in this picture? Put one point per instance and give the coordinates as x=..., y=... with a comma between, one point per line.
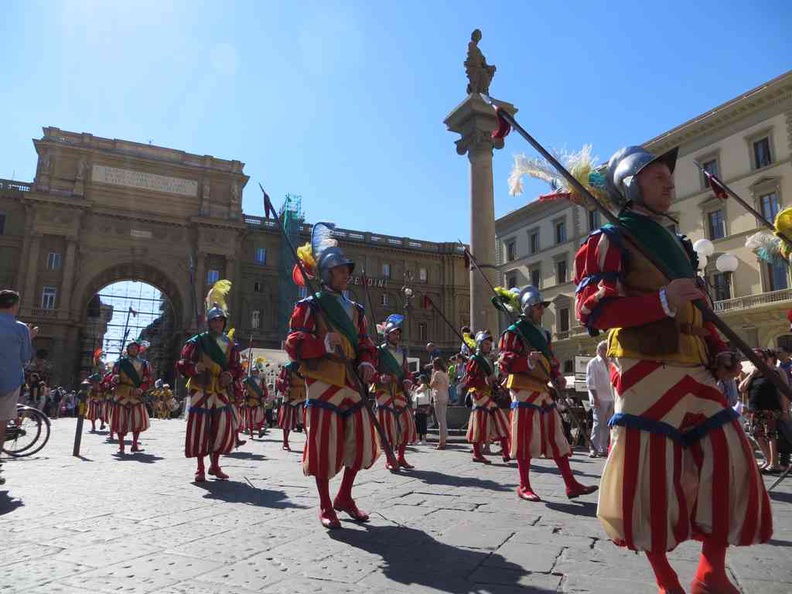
x=666, y=577
x=524, y=466
x=327, y=515
x=135, y=436
x=214, y=468
x=477, y=450
x=345, y=491
x=323, y=487
x=566, y=472
x=286, y=439
x=121, y=437
x=401, y=460
x=711, y=573
x=505, y=448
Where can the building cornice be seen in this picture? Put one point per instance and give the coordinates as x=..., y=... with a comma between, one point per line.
x=774, y=92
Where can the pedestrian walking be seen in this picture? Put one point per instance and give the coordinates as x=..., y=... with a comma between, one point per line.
x=440, y=398
x=16, y=349
x=600, y=392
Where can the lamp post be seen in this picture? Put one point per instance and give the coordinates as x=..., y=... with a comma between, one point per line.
x=408, y=294
x=727, y=264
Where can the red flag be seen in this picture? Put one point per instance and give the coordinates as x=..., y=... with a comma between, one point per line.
x=268, y=208
x=96, y=355
x=554, y=196
x=504, y=127
x=717, y=186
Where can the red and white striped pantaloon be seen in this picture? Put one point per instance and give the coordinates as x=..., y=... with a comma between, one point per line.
x=211, y=425
x=487, y=422
x=340, y=431
x=536, y=426
x=95, y=410
x=252, y=418
x=290, y=415
x=680, y=465
x=129, y=416
x=397, y=421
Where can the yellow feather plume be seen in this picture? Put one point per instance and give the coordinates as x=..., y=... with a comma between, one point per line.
x=217, y=294
x=305, y=253
x=469, y=340
x=783, y=226
x=231, y=333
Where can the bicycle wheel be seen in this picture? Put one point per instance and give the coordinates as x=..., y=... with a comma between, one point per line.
x=44, y=435
x=23, y=432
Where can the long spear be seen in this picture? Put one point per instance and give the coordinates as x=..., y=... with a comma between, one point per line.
x=706, y=312
x=364, y=395
x=428, y=300
x=721, y=190
x=527, y=343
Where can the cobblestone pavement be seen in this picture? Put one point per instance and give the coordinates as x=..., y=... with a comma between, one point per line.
x=138, y=524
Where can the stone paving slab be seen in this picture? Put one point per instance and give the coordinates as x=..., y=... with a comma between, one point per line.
x=106, y=524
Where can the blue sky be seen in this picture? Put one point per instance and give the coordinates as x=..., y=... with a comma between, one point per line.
x=343, y=102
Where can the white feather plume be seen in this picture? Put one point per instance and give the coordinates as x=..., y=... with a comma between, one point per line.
x=533, y=167
x=322, y=238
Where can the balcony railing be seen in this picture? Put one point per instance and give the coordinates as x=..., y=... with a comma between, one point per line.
x=7, y=184
x=754, y=300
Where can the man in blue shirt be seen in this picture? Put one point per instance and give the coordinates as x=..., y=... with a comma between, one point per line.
x=16, y=349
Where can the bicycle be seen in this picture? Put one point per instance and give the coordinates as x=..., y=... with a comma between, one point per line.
x=28, y=433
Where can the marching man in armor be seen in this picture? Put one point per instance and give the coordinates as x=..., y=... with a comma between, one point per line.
x=329, y=339
x=680, y=466
x=256, y=399
x=211, y=362
x=391, y=387
x=291, y=385
x=487, y=421
x=131, y=379
x=95, y=402
x=527, y=358
x=109, y=406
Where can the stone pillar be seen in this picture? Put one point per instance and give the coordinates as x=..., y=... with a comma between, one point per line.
x=475, y=121
x=29, y=295
x=200, y=287
x=68, y=278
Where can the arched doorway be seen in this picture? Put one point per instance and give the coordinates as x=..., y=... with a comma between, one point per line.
x=126, y=302
x=127, y=310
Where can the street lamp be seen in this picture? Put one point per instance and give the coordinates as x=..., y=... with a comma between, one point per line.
x=408, y=294
x=727, y=264
x=704, y=248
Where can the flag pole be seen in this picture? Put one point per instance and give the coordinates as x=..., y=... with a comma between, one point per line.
x=707, y=313
x=720, y=188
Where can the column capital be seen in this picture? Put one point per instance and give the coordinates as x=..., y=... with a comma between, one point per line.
x=475, y=120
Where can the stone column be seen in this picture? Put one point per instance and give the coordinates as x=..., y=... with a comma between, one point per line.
x=29, y=296
x=68, y=278
x=475, y=121
x=200, y=285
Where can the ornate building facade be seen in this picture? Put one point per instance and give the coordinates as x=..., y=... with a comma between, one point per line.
x=104, y=210
x=746, y=142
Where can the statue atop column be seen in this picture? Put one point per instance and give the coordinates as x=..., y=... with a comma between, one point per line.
x=479, y=73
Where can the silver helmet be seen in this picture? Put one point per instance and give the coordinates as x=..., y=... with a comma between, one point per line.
x=216, y=312
x=326, y=251
x=392, y=323
x=530, y=296
x=481, y=336
x=624, y=166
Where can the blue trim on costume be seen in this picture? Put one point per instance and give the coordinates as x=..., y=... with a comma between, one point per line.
x=685, y=439
x=311, y=402
x=607, y=276
x=541, y=408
